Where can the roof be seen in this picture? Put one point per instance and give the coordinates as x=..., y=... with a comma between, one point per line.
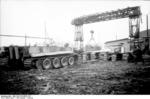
x=142, y=34
x=116, y=40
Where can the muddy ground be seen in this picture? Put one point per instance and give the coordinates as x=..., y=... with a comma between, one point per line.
x=90, y=78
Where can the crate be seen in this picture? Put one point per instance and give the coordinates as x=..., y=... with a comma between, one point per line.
x=93, y=57
x=114, y=57
x=84, y=57
x=104, y=56
x=125, y=56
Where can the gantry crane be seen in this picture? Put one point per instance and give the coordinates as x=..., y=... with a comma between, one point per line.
x=133, y=13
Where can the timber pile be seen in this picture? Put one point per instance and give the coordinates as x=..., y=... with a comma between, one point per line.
x=104, y=56
x=4, y=61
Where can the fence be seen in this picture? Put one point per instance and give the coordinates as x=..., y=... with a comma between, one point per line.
x=25, y=38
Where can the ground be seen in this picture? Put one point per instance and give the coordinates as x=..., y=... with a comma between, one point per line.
x=103, y=77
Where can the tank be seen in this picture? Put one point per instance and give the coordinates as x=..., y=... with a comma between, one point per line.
x=40, y=57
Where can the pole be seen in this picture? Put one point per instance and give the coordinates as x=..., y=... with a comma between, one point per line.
x=147, y=30
x=45, y=31
x=25, y=40
x=0, y=40
x=147, y=25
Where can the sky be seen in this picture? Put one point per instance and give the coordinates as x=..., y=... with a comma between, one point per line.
x=30, y=17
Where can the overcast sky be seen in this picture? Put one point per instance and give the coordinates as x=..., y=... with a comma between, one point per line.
x=27, y=17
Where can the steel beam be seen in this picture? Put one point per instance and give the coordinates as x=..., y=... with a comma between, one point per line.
x=121, y=13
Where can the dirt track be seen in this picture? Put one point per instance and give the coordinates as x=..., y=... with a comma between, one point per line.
x=90, y=78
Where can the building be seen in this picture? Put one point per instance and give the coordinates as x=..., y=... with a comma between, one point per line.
x=121, y=45
x=144, y=34
x=126, y=44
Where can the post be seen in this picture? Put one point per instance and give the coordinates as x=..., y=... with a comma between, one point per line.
x=147, y=24
x=0, y=40
x=45, y=31
x=147, y=29
x=25, y=40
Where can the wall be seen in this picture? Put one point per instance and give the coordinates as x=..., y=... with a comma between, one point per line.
x=118, y=44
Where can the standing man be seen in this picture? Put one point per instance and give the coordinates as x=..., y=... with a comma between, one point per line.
x=138, y=55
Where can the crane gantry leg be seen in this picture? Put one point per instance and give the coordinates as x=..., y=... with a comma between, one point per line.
x=134, y=30
x=78, y=37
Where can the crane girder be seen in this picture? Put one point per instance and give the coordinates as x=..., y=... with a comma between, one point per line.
x=121, y=13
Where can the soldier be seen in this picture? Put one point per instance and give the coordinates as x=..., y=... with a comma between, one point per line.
x=146, y=47
x=130, y=57
x=138, y=55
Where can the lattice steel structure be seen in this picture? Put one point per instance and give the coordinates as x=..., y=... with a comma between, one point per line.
x=133, y=13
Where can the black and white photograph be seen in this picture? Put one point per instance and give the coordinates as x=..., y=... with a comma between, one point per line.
x=74, y=47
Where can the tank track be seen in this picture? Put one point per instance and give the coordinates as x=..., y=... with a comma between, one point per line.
x=38, y=62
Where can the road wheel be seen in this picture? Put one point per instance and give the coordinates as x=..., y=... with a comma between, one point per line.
x=71, y=60
x=56, y=62
x=47, y=63
x=39, y=64
x=64, y=61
